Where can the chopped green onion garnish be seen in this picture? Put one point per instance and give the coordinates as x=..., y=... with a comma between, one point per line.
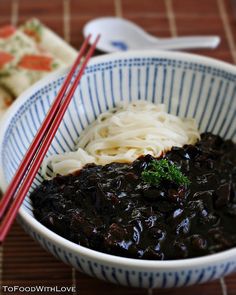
x=164, y=170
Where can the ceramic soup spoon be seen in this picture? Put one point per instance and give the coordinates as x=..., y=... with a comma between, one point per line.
x=118, y=34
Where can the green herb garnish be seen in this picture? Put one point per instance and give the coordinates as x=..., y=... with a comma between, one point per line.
x=164, y=170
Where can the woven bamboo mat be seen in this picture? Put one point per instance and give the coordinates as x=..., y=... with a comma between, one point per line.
x=22, y=261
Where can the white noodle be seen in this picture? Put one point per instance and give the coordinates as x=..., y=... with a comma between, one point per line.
x=123, y=134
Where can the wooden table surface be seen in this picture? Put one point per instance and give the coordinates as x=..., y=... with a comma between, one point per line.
x=22, y=261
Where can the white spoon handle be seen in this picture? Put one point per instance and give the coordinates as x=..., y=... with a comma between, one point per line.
x=185, y=42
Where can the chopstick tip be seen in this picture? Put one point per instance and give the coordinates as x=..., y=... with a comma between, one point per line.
x=97, y=39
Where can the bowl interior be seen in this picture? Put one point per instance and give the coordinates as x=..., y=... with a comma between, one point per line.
x=186, y=86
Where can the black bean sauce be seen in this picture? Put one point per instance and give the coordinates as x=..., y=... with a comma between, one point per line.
x=110, y=209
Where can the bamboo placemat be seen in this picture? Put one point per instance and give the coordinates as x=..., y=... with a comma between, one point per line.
x=22, y=261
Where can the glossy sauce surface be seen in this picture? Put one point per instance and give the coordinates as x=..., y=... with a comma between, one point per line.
x=110, y=209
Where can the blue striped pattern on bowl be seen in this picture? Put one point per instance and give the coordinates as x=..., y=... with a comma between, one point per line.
x=189, y=88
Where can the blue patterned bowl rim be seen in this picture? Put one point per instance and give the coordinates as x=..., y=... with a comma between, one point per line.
x=36, y=226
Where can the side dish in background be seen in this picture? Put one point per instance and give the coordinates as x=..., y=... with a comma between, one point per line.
x=177, y=200
x=27, y=54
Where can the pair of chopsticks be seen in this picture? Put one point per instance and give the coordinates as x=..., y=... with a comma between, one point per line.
x=30, y=165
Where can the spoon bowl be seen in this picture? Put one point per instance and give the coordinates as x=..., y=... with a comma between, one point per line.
x=118, y=34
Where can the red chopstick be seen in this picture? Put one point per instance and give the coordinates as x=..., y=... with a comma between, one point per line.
x=40, y=145
x=35, y=144
x=36, y=141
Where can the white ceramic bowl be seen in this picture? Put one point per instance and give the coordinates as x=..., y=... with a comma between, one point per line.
x=189, y=85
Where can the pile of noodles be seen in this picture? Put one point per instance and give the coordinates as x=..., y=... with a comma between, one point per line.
x=123, y=134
